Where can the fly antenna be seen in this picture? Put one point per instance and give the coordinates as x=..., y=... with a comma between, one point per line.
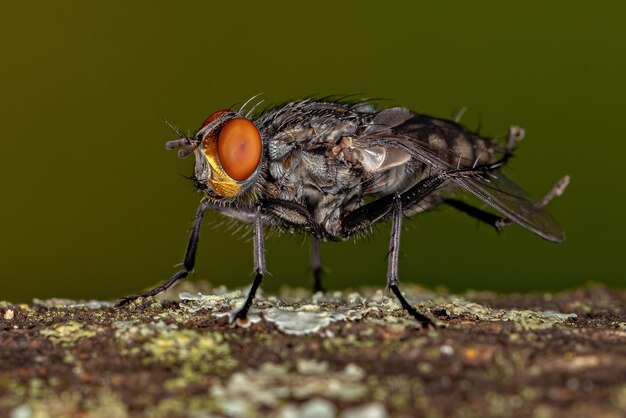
x=185, y=142
x=177, y=143
x=187, y=147
x=186, y=150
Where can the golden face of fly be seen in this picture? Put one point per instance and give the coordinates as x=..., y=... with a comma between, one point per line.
x=229, y=154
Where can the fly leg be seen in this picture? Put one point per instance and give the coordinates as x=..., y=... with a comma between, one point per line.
x=316, y=265
x=392, y=266
x=499, y=222
x=188, y=263
x=290, y=215
x=380, y=209
x=556, y=190
x=391, y=205
x=259, y=267
x=476, y=213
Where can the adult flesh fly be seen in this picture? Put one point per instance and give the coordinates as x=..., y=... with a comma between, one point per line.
x=332, y=169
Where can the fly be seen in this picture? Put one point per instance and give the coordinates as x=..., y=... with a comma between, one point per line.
x=332, y=169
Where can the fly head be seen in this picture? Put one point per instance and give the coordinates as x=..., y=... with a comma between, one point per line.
x=228, y=150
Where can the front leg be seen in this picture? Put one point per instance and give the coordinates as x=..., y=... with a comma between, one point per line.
x=188, y=263
x=190, y=253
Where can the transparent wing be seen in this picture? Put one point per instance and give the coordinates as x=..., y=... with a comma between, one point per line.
x=499, y=192
x=493, y=187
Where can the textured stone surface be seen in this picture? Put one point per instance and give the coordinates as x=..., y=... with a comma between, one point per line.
x=303, y=355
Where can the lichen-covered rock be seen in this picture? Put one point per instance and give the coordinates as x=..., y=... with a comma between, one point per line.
x=302, y=355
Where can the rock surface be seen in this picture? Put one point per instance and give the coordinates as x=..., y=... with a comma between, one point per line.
x=300, y=355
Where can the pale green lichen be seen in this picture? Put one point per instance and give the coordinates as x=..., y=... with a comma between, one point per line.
x=68, y=333
x=308, y=314
x=307, y=366
x=272, y=385
x=525, y=319
x=195, y=353
x=133, y=331
x=193, y=302
x=105, y=404
x=70, y=303
x=192, y=351
x=370, y=410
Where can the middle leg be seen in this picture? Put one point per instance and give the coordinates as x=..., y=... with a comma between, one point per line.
x=259, y=266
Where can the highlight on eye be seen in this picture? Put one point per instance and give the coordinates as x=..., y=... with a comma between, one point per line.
x=239, y=148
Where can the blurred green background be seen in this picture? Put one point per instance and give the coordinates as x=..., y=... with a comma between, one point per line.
x=93, y=206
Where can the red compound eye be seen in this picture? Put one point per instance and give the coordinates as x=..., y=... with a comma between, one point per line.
x=213, y=117
x=239, y=148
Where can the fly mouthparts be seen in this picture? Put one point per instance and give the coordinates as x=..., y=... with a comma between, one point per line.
x=188, y=146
